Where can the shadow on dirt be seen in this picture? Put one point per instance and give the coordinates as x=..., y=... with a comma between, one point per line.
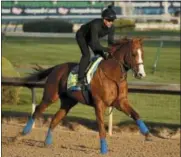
x=161, y=130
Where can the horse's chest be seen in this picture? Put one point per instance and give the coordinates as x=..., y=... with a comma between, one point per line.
x=110, y=91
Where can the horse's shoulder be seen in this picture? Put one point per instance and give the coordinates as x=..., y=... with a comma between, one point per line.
x=109, y=64
x=111, y=68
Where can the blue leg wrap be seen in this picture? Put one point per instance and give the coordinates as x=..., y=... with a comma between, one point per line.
x=103, y=146
x=28, y=126
x=48, y=140
x=142, y=126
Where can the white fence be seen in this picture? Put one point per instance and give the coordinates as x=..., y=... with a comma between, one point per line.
x=134, y=87
x=148, y=17
x=72, y=35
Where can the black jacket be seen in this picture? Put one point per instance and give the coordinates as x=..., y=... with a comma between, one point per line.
x=94, y=30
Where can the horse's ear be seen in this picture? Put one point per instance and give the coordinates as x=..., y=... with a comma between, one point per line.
x=141, y=40
x=135, y=39
x=125, y=38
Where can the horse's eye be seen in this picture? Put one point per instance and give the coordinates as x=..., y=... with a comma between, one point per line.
x=133, y=54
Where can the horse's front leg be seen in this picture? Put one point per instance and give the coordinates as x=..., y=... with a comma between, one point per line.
x=124, y=105
x=100, y=110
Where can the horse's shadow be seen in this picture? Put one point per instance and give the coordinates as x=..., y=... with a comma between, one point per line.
x=69, y=122
x=6, y=140
x=34, y=143
x=155, y=128
x=85, y=122
x=40, y=144
x=12, y=141
x=81, y=148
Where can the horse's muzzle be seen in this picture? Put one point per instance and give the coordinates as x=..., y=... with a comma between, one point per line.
x=139, y=75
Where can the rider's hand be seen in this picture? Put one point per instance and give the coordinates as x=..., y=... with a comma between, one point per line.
x=105, y=55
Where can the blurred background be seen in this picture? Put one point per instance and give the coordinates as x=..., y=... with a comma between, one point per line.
x=43, y=33
x=145, y=14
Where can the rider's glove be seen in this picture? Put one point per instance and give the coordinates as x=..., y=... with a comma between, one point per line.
x=105, y=55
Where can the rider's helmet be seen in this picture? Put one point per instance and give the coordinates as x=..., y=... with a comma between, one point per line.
x=109, y=13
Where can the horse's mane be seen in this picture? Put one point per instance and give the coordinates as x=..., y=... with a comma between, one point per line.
x=119, y=44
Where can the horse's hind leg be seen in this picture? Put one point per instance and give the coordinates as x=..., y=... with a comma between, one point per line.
x=66, y=105
x=50, y=95
x=124, y=105
x=38, y=111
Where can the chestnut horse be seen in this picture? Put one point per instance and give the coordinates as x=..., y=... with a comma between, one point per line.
x=108, y=88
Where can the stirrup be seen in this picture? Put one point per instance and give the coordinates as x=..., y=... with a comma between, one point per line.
x=81, y=84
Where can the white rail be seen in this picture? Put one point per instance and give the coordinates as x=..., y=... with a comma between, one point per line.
x=72, y=35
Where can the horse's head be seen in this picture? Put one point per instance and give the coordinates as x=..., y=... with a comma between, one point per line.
x=129, y=53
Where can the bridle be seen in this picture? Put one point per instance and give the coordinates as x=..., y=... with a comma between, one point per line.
x=123, y=65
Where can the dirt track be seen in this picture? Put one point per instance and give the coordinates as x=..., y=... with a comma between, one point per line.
x=84, y=143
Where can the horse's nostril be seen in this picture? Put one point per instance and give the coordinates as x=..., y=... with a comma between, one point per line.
x=141, y=74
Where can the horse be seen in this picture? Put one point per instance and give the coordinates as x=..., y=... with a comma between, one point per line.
x=108, y=87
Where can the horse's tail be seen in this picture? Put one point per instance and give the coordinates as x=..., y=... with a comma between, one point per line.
x=39, y=75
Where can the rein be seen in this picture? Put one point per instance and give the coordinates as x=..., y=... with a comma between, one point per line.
x=121, y=63
x=122, y=66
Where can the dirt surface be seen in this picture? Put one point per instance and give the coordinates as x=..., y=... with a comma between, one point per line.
x=79, y=141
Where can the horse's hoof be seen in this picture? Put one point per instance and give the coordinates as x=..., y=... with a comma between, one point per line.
x=28, y=127
x=26, y=131
x=148, y=137
x=47, y=146
x=48, y=140
x=103, y=146
x=104, y=152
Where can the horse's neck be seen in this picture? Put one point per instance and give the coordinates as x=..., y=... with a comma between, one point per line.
x=120, y=52
x=113, y=70
x=122, y=55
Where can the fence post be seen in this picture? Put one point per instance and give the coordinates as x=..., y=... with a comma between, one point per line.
x=110, y=121
x=33, y=101
x=157, y=56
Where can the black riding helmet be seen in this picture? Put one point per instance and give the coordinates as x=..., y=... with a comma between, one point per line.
x=109, y=14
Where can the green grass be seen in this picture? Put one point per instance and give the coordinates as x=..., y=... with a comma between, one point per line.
x=154, y=108
x=25, y=52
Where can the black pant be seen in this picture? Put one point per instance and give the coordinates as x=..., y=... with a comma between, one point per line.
x=84, y=61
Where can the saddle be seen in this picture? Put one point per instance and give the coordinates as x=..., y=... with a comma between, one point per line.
x=89, y=73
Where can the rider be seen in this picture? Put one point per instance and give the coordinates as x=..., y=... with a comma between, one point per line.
x=88, y=36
